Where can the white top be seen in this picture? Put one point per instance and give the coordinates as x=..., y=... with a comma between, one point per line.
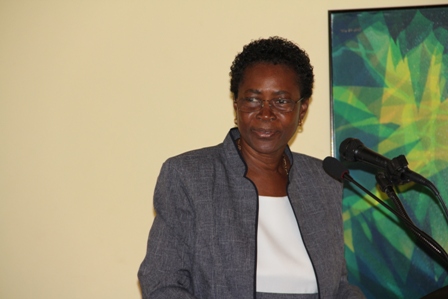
x=283, y=264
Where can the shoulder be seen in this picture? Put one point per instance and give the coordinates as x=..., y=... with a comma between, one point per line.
x=217, y=158
x=307, y=163
x=210, y=152
x=195, y=161
x=305, y=158
x=311, y=168
x=185, y=177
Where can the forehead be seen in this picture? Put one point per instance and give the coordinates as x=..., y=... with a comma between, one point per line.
x=269, y=75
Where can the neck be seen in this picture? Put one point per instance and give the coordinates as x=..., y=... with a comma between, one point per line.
x=275, y=162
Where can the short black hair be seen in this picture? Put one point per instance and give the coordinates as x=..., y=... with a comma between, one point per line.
x=275, y=50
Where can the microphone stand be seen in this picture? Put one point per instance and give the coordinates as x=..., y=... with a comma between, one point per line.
x=426, y=240
x=387, y=187
x=399, y=174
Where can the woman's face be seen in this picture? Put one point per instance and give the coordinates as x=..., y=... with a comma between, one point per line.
x=268, y=131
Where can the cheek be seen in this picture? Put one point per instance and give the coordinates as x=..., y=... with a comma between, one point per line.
x=292, y=121
x=243, y=117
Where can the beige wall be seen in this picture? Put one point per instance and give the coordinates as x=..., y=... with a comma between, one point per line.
x=94, y=96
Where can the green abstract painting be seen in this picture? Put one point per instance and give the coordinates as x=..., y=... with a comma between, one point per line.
x=389, y=89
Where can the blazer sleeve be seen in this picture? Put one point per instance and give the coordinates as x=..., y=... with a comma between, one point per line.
x=166, y=270
x=347, y=290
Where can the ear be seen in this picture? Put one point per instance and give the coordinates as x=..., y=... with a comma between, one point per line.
x=303, y=108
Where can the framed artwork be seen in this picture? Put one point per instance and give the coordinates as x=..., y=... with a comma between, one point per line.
x=389, y=89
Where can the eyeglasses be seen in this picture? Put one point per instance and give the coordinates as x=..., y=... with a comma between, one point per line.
x=254, y=104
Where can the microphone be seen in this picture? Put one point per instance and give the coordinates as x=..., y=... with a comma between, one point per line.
x=334, y=168
x=353, y=150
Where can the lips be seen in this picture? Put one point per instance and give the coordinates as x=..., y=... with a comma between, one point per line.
x=264, y=133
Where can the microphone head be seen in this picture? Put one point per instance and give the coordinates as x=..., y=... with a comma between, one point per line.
x=334, y=168
x=348, y=148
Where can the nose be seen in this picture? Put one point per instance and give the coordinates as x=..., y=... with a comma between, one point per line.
x=266, y=111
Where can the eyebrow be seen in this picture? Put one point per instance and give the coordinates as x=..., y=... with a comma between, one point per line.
x=257, y=91
x=253, y=91
x=281, y=92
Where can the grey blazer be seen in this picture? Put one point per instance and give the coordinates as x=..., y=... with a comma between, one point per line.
x=203, y=243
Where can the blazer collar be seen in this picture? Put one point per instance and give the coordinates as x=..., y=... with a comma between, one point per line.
x=231, y=148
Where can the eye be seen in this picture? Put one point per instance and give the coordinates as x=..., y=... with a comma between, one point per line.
x=251, y=101
x=283, y=101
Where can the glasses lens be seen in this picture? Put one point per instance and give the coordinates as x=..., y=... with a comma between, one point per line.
x=249, y=104
x=253, y=104
x=283, y=105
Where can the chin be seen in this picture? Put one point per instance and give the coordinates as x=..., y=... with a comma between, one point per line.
x=264, y=148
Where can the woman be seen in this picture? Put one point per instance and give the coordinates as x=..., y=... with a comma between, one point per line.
x=248, y=218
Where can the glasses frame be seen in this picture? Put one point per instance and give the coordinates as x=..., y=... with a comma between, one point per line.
x=272, y=107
